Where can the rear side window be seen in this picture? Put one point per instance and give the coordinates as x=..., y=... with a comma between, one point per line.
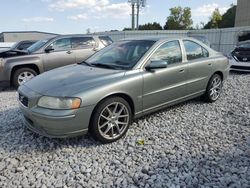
x=61, y=44
x=169, y=52
x=194, y=50
x=106, y=40
x=82, y=42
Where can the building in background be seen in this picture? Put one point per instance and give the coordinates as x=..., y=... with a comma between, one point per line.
x=17, y=36
x=242, y=13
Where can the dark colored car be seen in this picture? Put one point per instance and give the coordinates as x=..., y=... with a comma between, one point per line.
x=240, y=57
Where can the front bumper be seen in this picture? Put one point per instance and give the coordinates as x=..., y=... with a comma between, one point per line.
x=56, y=123
x=239, y=66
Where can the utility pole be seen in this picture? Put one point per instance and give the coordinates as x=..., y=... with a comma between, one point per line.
x=133, y=15
x=137, y=17
x=136, y=4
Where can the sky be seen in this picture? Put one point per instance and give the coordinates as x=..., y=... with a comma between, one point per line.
x=76, y=16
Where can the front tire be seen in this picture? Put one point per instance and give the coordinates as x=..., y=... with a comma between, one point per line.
x=214, y=88
x=22, y=75
x=110, y=120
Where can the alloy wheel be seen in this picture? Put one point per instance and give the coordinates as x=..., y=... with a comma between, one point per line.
x=113, y=120
x=215, y=89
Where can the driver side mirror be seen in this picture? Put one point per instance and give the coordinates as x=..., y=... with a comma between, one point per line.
x=49, y=49
x=156, y=64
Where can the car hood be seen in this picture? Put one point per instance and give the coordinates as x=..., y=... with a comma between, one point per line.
x=12, y=53
x=72, y=79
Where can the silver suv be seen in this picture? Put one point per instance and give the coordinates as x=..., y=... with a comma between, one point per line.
x=48, y=54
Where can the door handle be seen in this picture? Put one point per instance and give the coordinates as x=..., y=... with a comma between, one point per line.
x=181, y=70
x=209, y=64
x=69, y=52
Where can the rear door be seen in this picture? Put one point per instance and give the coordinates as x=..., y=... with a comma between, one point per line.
x=60, y=55
x=168, y=84
x=83, y=47
x=199, y=67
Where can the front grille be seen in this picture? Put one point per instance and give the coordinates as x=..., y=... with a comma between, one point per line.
x=240, y=67
x=24, y=100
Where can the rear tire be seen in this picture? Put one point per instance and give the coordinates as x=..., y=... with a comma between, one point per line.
x=22, y=75
x=110, y=120
x=214, y=88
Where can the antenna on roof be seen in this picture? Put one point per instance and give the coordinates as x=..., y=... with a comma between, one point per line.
x=138, y=4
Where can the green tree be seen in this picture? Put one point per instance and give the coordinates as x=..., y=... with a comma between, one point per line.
x=228, y=18
x=214, y=21
x=150, y=26
x=180, y=18
x=127, y=29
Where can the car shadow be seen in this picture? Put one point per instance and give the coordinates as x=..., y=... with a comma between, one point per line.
x=16, y=137
x=6, y=89
x=232, y=72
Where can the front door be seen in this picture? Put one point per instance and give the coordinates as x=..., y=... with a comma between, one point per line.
x=61, y=54
x=162, y=86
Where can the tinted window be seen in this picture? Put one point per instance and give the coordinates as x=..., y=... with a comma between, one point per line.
x=106, y=40
x=61, y=44
x=121, y=55
x=82, y=42
x=194, y=50
x=169, y=52
x=24, y=45
x=39, y=44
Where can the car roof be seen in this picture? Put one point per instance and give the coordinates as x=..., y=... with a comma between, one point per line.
x=155, y=38
x=79, y=35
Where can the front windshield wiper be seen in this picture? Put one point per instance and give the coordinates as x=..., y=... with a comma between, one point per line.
x=104, y=65
x=85, y=63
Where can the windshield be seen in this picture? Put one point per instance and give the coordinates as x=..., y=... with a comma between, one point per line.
x=121, y=55
x=36, y=46
x=14, y=46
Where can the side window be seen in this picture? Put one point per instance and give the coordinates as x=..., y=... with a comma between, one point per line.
x=169, y=52
x=106, y=40
x=82, y=42
x=194, y=50
x=61, y=44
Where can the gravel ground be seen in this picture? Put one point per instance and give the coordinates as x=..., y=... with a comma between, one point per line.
x=193, y=144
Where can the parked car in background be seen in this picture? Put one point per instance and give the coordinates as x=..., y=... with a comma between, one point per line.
x=48, y=54
x=239, y=58
x=201, y=38
x=23, y=45
x=6, y=45
x=18, y=49
x=125, y=80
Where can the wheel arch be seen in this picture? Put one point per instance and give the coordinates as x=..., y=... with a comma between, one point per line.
x=16, y=67
x=220, y=73
x=124, y=96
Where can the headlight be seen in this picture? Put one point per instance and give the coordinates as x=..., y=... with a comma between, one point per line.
x=59, y=103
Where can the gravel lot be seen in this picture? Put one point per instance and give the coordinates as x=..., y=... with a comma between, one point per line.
x=193, y=144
